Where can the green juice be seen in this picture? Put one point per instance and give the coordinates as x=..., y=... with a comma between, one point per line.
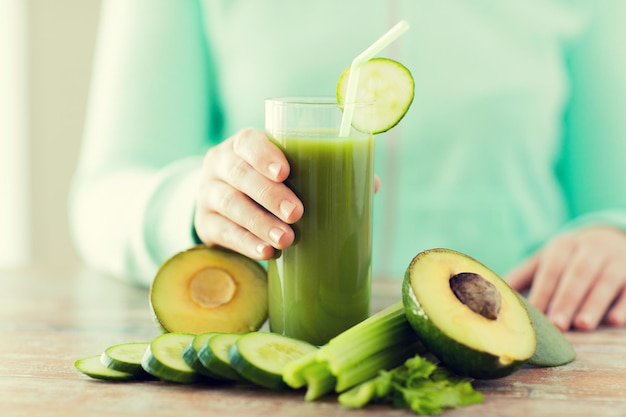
x=320, y=285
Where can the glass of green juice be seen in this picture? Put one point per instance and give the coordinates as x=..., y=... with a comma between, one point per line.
x=320, y=286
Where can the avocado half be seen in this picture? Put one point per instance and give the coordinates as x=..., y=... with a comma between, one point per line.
x=206, y=289
x=466, y=315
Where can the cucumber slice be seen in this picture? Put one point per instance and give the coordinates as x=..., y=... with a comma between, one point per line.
x=125, y=357
x=91, y=366
x=261, y=357
x=386, y=83
x=190, y=353
x=164, y=358
x=214, y=356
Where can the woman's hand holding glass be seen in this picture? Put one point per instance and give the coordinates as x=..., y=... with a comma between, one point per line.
x=242, y=202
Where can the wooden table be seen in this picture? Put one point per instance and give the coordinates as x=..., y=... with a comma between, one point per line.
x=51, y=317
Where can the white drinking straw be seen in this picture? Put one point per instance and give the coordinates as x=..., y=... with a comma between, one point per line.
x=355, y=68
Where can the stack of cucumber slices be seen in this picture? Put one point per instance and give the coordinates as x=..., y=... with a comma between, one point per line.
x=257, y=358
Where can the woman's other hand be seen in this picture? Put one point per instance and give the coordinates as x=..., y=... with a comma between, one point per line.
x=578, y=279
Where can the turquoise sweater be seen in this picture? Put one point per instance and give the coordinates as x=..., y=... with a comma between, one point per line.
x=517, y=130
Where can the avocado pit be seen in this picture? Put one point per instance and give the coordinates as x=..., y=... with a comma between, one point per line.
x=212, y=287
x=480, y=295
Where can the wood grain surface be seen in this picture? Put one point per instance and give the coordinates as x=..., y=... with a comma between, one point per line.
x=49, y=317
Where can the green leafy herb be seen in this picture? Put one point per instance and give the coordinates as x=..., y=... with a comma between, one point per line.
x=418, y=384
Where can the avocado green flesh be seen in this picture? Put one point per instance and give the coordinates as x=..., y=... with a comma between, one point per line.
x=456, y=356
x=206, y=289
x=467, y=341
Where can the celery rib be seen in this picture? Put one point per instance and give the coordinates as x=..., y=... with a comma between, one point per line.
x=380, y=323
x=319, y=381
x=360, y=395
x=380, y=342
x=293, y=372
x=386, y=359
x=373, y=323
x=399, y=324
x=400, y=334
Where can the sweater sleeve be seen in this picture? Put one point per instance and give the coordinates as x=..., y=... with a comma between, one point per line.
x=150, y=118
x=594, y=175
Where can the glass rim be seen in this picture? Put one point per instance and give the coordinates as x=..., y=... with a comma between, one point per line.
x=311, y=101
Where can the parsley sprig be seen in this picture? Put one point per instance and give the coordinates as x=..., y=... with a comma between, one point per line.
x=419, y=384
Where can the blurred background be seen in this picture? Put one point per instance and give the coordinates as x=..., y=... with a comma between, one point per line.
x=46, y=50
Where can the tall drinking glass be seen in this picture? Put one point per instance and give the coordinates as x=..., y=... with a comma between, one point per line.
x=320, y=285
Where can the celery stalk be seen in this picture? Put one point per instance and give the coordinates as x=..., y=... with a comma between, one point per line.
x=391, y=356
x=380, y=342
x=399, y=333
x=363, y=331
x=360, y=395
x=382, y=331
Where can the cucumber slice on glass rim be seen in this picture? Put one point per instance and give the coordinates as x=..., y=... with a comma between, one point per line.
x=387, y=84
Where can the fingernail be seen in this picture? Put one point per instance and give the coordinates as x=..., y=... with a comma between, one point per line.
x=274, y=169
x=261, y=248
x=276, y=234
x=584, y=322
x=286, y=208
